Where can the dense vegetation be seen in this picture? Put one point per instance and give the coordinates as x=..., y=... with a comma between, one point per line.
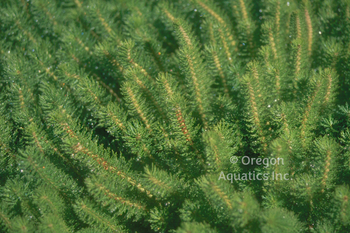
x=134, y=116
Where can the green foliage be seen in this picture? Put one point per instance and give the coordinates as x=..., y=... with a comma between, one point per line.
x=174, y=116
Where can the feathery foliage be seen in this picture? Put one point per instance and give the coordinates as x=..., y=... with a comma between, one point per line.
x=174, y=116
